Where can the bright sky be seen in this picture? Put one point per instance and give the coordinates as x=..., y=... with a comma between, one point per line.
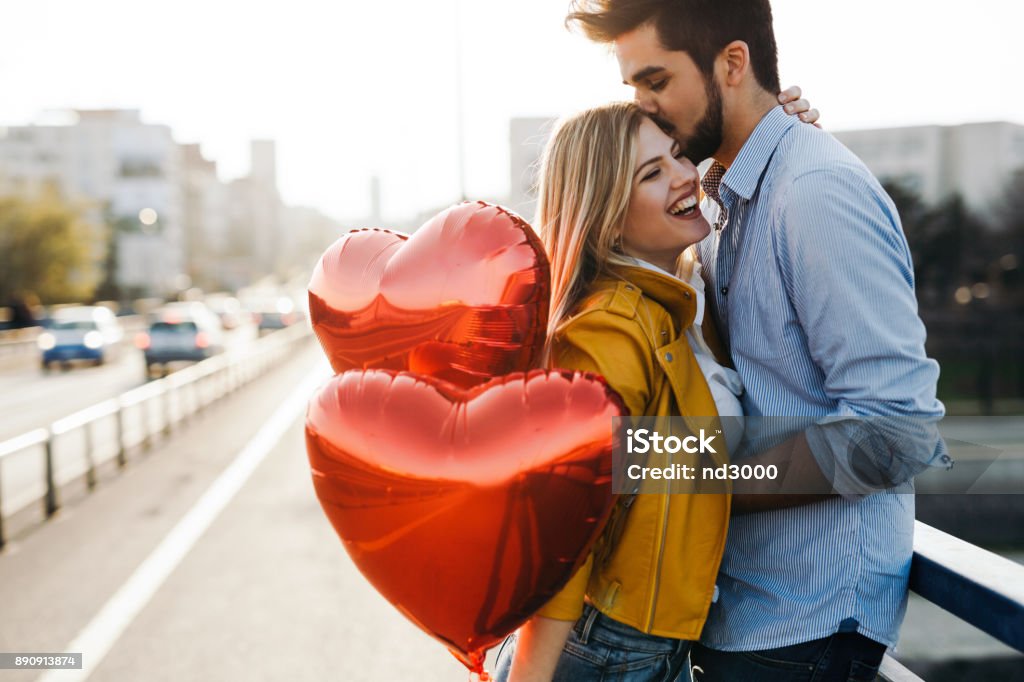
x=352, y=89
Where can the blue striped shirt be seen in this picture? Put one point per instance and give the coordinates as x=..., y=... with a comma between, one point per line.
x=811, y=285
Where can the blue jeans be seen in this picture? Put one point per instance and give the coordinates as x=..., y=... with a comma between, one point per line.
x=843, y=657
x=600, y=648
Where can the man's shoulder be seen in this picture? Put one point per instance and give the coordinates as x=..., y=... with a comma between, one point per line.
x=806, y=150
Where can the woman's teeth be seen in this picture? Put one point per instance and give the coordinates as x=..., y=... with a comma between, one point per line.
x=683, y=205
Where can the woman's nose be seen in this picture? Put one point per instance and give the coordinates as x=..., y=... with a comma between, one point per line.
x=684, y=173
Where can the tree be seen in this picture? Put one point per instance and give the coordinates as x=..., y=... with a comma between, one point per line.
x=1011, y=208
x=914, y=216
x=948, y=242
x=47, y=250
x=110, y=289
x=1010, y=239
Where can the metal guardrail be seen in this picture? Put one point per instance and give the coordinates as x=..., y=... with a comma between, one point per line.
x=142, y=413
x=894, y=671
x=975, y=585
x=20, y=342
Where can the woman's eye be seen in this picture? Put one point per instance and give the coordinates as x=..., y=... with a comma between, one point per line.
x=656, y=86
x=677, y=153
x=650, y=176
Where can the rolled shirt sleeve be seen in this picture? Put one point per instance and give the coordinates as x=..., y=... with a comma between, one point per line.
x=847, y=269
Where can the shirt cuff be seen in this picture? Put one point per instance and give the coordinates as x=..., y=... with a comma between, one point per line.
x=865, y=455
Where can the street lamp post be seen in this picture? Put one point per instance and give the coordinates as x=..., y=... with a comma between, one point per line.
x=459, y=114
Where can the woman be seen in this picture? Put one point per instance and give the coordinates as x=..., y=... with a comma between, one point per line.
x=618, y=211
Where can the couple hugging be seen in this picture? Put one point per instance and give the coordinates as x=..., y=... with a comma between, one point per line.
x=779, y=284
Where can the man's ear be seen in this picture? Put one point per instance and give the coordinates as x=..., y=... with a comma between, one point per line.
x=734, y=63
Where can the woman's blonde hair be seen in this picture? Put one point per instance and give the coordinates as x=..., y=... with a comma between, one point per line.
x=584, y=183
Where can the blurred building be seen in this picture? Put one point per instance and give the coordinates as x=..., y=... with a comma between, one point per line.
x=265, y=205
x=207, y=228
x=174, y=222
x=974, y=159
x=127, y=171
x=310, y=232
x=254, y=214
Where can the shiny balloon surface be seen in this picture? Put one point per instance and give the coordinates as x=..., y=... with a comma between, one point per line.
x=464, y=298
x=466, y=509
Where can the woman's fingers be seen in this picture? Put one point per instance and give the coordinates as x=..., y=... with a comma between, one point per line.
x=794, y=103
x=798, y=106
x=789, y=94
x=811, y=116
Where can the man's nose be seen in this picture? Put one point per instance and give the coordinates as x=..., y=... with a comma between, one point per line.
x=645, y=101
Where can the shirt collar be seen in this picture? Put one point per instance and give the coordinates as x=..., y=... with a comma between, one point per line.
x=746, y=171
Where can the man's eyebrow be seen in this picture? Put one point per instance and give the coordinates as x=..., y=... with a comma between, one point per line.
x=644, y=73
x=645, y=164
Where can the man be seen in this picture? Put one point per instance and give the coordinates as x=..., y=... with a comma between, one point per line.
x=811, y=285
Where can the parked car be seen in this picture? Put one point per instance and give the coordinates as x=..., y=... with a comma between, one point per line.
x=180, y=332
x=90, y=333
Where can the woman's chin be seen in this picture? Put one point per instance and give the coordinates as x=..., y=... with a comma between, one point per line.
x=695, y=226
x=697, y=231
x=704, y=228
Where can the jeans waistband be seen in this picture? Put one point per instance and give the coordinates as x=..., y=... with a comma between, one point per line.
x=595, y=625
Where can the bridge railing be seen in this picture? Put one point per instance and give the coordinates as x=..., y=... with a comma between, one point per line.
x=975, y=585
x=110, y=429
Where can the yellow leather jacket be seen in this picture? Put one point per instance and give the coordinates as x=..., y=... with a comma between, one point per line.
x=659, y=576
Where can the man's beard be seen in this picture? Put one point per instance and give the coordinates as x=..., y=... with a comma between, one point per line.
x=707, y=137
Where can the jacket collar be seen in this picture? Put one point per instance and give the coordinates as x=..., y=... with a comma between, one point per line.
x=671, y=293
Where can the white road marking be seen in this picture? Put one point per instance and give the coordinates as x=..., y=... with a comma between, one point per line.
x=103, y=631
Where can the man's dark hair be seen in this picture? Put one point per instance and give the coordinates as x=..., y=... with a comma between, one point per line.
x=701, y=28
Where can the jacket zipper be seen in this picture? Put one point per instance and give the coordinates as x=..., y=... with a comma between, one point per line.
x=657, y=573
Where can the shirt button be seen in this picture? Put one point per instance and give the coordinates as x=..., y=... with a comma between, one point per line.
x=725, y=291
x=686, y=294
x=668, y=356
x=629, y=287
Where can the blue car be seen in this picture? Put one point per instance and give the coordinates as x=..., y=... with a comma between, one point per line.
x=89, y=333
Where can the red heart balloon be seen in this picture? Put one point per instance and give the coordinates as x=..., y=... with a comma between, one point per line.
x=467, y=509
x=465, y=298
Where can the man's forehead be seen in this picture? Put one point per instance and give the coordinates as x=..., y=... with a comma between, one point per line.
x=640, y=53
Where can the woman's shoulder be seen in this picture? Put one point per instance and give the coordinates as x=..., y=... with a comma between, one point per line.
x=615, y=297
x=614, y=306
